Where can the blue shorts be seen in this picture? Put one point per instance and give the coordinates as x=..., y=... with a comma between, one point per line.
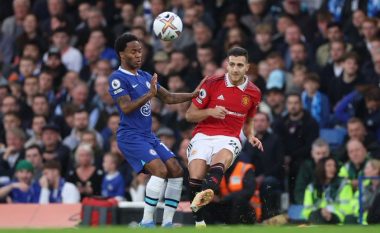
x=139, y=150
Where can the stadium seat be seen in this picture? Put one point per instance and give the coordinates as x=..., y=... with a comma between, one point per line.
x=295, y=213
x=334, y=137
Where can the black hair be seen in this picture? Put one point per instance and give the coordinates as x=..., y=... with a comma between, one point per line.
x=52, y=164
x=122, y=41
x=237, y=52
x=334, y=24
x=34, y=146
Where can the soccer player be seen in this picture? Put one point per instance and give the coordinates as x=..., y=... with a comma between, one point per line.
x=224, y=105
x=133, y=89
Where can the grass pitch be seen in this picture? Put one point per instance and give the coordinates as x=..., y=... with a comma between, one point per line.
x=212, y=229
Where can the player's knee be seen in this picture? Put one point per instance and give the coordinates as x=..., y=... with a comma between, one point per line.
x=161, y=172
x=177, y=172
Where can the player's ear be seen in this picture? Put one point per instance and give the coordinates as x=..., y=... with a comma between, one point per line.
x=247, y=67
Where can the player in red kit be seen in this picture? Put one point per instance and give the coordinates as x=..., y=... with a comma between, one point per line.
x=225, y=105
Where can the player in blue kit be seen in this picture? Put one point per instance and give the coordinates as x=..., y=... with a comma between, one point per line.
x=133, y=89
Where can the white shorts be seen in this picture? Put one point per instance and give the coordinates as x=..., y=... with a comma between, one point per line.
x=204, y=147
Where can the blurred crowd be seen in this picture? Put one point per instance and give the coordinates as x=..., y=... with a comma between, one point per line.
x=317, y=64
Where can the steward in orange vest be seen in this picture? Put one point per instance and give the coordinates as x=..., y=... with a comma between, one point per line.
x=236, y=191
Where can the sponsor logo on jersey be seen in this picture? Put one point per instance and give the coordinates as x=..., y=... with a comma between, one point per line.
x=147, y=84
x=118, y=91
x=145, y=109
x=115, y=84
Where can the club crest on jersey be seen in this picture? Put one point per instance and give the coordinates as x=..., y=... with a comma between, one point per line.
x=115, y=84
x=245, y=101
x=147, y=84
x=152, y=152
x=202, y=93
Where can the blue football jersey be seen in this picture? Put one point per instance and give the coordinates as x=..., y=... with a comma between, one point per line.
x=113, y=186
x=123, y=82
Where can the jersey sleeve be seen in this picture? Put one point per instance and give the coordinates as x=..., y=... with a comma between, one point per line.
x=117, y=87
x=256, y=101
x=203, y=98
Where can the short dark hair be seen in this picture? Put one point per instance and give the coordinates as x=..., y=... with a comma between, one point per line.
x=40, y=95
x=52, y=164
x=122, y=41
x=34, y=146
x=237, y=52
x=313, y=77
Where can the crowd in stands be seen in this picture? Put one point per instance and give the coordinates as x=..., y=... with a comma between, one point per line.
x=316, y=62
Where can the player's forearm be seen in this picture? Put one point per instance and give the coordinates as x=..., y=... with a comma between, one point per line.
x=175, y=98
x=197, y=115
x=128, y=106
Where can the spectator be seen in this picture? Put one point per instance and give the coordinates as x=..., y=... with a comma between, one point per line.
x=38, y=122
x=55, y=8
x=30, y=33
x=25, y=70
x=6, y=51
x=54, y=189
x=33, y=154
x=232, y=206
x=315, y=102
x=54, y=65
x=81, y=122
x=12, y=25
x=113, y=184
x=372, y=114
x=268, y=164
x=334, y=33
x=354, y=168
x=258, y=14
x=263, y=45
x=99, y=38
x=370, y=194
x=357, y=131
x=85, y=176
x=110, y=130
x=328, y=198
x=30, y=88
x=22, y=189
x=319, y=149
x=298, y=130
x=127, y=14
x=89, y=137
x=13, y=152
x=71, y=57
x=52, y=144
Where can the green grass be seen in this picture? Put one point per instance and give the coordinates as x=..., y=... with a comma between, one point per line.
x=219, y=229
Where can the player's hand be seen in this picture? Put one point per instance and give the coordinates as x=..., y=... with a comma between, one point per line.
x=20, y=185
x=43, y=182
x=255, y=142
x=219, y=112
x=153, y=85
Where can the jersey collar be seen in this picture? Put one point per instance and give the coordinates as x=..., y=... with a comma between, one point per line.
x=241, y=86
x=126, y=71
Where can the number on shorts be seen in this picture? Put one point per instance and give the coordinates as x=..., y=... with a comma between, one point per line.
x=235, y=146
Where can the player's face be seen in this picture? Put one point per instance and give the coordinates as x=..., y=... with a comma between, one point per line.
x=133, y=54
x=237, y=68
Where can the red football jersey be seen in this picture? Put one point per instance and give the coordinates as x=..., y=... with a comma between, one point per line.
x=241, y=102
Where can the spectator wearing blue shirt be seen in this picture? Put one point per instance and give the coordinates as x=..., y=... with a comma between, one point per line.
x=22, y=189
x=315, y=102
x=113, y=184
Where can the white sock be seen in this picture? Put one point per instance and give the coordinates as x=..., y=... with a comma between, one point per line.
x=152, y=193
x=172, y=198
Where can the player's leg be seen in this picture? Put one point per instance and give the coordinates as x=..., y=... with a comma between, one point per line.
x=153, y=188
x=174, y=186
x=199, y=155
x=227, y=150
x=141, y=156
x=197, y=172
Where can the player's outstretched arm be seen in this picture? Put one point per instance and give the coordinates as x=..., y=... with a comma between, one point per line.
x=195, y=114
x=127, y=105
x=249, y=133
x=175, y=98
